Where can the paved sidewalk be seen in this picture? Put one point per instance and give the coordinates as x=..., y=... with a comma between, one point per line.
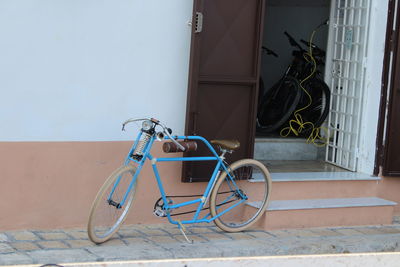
x=166, y=242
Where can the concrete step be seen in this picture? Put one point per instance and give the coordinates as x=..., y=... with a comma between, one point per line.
x=283, y=214
x=308, y=185
x=286, y=149
x=319, y=189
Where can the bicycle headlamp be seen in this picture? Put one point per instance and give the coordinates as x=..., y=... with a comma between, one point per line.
x=146, y=125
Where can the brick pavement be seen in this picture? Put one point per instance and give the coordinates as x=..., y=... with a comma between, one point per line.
x=166, y=242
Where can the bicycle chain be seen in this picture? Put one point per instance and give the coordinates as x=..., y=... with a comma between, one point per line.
x=160, y=206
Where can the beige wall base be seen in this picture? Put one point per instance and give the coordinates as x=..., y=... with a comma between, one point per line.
x=48, y=185
x=327, y=217
x=389, y=188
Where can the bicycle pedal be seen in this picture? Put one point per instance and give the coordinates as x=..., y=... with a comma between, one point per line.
x=159, y=213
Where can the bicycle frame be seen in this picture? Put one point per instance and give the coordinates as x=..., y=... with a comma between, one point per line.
x=220, y=166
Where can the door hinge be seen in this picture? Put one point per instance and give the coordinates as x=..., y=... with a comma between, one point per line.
x=198, y=22
x=365, y=62
x=357, y=153
x=194, y=118
x=392, y=44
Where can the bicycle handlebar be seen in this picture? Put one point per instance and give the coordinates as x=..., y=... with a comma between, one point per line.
x=129, y=121
x=167, y=131
x=314, y=46
x=293, y=42
x=269, y=51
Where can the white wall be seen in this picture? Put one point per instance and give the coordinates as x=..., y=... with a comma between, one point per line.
x=373, y=83
x=73, y=70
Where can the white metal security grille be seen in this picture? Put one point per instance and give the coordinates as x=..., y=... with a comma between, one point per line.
x=345, y=75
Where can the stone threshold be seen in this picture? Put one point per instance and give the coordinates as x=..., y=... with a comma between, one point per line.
x=325, y=203
x=318, y=176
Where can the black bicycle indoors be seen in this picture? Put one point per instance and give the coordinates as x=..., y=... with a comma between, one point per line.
x=300, y=98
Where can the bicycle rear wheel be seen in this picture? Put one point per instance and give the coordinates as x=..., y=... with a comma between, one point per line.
x=278, y=105
x=318, y=110
x=261, y=91
x=240, y=198
x=106, y=214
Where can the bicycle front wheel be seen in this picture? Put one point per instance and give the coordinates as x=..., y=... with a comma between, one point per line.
x=240, y=198
x=107, y=213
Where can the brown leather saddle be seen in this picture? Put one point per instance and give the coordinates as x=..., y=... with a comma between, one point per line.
x=226, y=144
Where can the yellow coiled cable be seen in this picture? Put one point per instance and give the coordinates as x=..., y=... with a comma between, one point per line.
x=297, y=125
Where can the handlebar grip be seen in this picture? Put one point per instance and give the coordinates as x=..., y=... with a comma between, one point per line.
x=155, y=120
x=269, y=51
x=170, y=147
x=293, y=42
x=291, y=39
x=306, y=43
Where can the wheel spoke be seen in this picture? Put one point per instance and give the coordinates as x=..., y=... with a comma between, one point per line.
x=236, y=216
x=105, y=216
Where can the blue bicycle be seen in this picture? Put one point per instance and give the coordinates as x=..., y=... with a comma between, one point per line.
x=237, y=195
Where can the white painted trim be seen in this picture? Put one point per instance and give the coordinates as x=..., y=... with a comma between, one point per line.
x=375, y=50
x=373, y=80
x=327, y=260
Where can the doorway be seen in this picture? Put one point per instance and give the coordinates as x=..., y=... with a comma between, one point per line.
x=227, y=59
x=339, y=29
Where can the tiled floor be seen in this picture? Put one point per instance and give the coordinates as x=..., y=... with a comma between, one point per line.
x=301, y=166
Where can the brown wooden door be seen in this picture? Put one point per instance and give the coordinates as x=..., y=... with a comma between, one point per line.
x=224, y=72
x=389, y=138
x=391, y=166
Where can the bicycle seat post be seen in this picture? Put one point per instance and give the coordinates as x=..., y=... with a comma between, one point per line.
x=224, y=151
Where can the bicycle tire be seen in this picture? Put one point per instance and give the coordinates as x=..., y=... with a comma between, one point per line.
x=317, y=112
x=99, y=230
x=278, y=105
x=235, y=220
